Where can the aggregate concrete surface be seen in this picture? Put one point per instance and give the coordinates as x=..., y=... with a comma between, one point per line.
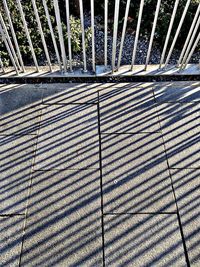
x=100, y=174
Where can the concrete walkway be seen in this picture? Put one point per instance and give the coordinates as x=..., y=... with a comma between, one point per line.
x=100, y=174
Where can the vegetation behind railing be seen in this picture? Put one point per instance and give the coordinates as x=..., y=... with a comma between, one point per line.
x=162, y=25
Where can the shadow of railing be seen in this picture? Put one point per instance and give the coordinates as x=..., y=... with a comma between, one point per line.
x=54, y=165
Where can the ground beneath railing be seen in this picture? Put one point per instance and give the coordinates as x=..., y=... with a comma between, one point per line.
x=100, y=174
x=153, y=73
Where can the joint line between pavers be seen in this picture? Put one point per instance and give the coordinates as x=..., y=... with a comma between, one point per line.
x=69, y=103
x=29, y=190
x=138, y=132
x=136, y=213
x=12, y=215
x=176, y=203
x=101, y=181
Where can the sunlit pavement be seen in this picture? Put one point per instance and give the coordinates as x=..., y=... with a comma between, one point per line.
x=100, y=174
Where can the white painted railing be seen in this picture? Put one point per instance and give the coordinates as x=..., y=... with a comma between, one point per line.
x=8, y=35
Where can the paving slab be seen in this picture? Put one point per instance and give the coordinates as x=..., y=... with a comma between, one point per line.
x=135, y=174
x=68, y=138
x=20, y=109
x=124, y=85
x=125, y=110
x=143, y=240
x=187, y=188
x=65, y=93
x=73, y=85
x=15, y=86
x=16, y=159
x=177, y=92
x=71, y=93
x=96, y=85
x=64, y=220
x=180, y=125
x=11, y=233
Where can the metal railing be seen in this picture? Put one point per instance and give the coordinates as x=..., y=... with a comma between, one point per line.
x=64, y=54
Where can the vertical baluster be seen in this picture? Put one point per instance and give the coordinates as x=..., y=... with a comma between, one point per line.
x=114, y=47
x=13, y=34
x=106, y=33
x=52, y=33
x=169, y=32
x=69, y=35
x=83, y=35
x=190, y=43
x=41, y=34
x=9, y=41
x=191, y=52
x=60, y=33
x=192, y=28
x=137, y=33
x=93, y=35
x=8, y=49
x=27, y=34
x=123, y=33
x=1, y=65
x=177, y=32
x=152, y=33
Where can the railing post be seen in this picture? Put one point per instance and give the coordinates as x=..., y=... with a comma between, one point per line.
x=69, y=35
x=106, y=33
x=93, y=35
x=83, y=35
x=114, y=48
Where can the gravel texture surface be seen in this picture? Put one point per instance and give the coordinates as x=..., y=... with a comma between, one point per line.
x=142, y=48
